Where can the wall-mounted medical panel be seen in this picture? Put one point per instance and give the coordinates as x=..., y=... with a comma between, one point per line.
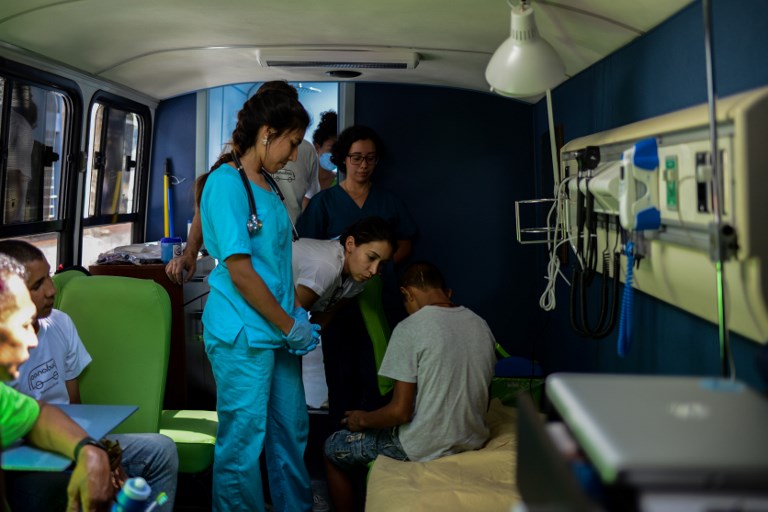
x=677, y=266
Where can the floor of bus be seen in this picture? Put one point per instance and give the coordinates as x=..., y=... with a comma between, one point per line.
x=194, y=490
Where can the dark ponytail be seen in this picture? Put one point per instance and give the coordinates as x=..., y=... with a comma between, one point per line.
x=273, y=105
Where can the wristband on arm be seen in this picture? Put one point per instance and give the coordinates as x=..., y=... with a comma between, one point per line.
x=87, y=441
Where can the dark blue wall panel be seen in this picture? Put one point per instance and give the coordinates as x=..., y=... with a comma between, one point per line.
x=175, y=140
x=460, y=160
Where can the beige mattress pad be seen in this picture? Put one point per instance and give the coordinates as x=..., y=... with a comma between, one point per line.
x=480, y=480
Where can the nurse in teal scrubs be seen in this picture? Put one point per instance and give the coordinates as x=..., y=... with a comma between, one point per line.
x=254, y=330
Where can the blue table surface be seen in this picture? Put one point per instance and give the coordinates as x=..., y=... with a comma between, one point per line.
x=97, y=420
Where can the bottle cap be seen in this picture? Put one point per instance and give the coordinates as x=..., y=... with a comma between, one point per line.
x=137, y=488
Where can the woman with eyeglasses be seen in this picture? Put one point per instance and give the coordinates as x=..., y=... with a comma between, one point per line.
x=350, y=363
x=356, y=154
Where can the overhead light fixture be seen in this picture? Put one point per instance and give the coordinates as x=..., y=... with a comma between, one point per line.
x=525, y=64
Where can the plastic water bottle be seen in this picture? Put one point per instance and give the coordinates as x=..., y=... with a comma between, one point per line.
x=133, y=496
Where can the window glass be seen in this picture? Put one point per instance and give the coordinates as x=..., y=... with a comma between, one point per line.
x=100, y=239
x=111, y=177
x=225, y=102
x=35, y=142
x=111, y=202
x=48, y=243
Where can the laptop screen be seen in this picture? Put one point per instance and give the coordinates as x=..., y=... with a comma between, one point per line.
x=666, y=431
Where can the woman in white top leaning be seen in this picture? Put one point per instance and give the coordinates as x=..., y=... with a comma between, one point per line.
x=328, y=272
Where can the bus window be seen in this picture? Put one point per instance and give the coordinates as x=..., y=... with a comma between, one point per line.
x=34, y=142
x=36, y=123
x=112, y=179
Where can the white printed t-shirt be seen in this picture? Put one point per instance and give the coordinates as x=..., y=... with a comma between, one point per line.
x=59, y=356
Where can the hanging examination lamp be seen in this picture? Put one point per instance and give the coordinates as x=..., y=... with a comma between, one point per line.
x=525, y=64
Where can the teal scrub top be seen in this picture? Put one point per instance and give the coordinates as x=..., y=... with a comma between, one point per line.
x=224, y=212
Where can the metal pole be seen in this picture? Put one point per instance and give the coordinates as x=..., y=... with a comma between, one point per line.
x=718, y=250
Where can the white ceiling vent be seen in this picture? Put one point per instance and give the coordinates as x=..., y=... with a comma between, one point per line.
x=338, y=59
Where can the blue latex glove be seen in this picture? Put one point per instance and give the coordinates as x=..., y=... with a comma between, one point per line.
x=304, y=336
x=300, y=312
x=303, y=351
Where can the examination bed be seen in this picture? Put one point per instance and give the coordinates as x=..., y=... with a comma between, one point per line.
x=482, y=479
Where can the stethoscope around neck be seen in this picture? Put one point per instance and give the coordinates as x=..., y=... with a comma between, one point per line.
x=254, y=223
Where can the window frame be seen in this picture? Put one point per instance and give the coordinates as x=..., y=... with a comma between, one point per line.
x=71, y=158
x=141, y=191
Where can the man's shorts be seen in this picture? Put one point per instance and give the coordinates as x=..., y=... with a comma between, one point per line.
x=353, y=449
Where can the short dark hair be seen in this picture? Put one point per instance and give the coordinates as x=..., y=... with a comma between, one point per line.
x=349, y=136
x=326, y=128
x=423, y=275
x=370, y=229
x=21, y=251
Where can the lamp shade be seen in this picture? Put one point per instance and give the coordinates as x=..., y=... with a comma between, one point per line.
x=525, y=64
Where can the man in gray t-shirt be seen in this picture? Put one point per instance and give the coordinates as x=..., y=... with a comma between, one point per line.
x=447, y=353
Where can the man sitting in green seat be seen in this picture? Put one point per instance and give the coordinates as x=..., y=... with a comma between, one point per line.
x=51, y=375
x=43, y=425
x=441, y=358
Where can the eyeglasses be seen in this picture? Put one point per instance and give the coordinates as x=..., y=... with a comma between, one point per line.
x=357, y=158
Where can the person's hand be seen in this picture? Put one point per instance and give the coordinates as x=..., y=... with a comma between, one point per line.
x=300, y=312
x=119, y=477
x=304, y=335
x=352, y=420
x=304, y=351
x=176, y=267
x=90, y=486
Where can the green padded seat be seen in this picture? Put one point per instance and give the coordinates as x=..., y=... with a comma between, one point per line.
x=377, y=326
x=60, y=280
x=194, y=433
x=125, y=324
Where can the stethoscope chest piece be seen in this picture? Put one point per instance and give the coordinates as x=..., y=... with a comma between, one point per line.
x=254, y=224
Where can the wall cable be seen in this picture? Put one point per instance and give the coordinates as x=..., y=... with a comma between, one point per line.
x=556, y=236
x=624, y=342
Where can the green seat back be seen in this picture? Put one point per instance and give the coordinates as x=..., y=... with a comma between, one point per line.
x=60, y=280
x=376, y=323
x=125, y=325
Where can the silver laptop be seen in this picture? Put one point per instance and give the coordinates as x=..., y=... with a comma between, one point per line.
x=662, y=432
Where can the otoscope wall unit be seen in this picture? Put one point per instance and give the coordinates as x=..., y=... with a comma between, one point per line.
x=654, y=178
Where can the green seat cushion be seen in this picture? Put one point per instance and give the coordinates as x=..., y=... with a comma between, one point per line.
x=194, y=433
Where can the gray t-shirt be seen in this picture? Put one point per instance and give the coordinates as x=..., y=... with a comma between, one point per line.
x=298, y=179
x=449, y=354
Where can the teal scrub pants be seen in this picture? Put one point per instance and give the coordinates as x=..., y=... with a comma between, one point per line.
x=260, y=400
